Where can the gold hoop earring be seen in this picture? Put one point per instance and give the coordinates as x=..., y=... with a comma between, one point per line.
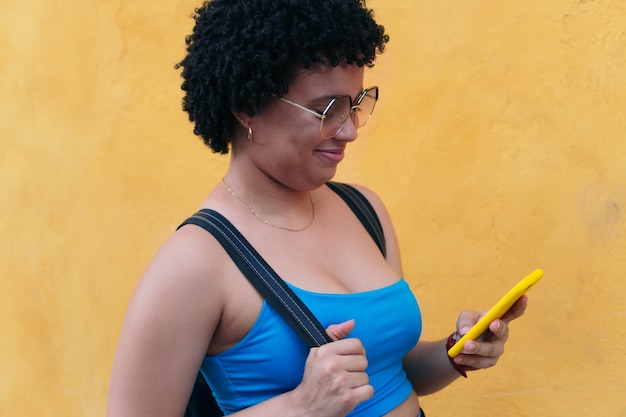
x=243, y=122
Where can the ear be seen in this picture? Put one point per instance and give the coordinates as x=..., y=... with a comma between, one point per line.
x=242, y=118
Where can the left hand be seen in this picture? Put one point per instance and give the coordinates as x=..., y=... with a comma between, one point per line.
x=485, y=352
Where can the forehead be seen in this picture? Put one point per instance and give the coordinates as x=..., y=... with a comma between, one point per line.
x=323, y=80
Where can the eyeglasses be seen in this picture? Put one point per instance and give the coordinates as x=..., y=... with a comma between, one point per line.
x=334, y=117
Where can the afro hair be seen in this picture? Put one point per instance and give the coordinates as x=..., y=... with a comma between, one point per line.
x=241, y=52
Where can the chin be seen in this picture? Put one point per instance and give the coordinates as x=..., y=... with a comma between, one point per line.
x=328, y=176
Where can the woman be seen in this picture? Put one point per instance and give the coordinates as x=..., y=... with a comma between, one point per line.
x=280, y=84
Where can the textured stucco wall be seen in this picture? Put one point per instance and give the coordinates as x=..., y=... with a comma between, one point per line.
x=499, y=145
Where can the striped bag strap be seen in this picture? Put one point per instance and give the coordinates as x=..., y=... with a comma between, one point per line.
x=262, y=276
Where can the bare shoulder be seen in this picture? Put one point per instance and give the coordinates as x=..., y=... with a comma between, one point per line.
x=393, y=251
x=183, y=283
x=189, y=263
x=169, y=325
x=376, y=202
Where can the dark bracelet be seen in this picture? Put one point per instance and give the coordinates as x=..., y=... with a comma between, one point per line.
x=454, y=337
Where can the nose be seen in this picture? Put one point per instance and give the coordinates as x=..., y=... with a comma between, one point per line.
x=348, y=131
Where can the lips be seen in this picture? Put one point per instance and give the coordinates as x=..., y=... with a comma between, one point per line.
x=334, y=155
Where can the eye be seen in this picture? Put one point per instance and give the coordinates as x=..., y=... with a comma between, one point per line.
x=339, y=109
x=336, y=113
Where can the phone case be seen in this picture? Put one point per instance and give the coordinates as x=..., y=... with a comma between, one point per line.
x=501, y=307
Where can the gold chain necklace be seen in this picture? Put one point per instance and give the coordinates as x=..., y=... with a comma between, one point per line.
x=262, y=220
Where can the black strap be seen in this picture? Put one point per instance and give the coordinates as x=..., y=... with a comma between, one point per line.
x=363, y=211
x=202, y=402
x=266, y=280
x=263, y=277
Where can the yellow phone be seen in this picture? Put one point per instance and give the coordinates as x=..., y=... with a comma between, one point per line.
x=497, y=311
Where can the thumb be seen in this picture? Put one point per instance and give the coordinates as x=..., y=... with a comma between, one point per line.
x=466, y=320
x=341, y=330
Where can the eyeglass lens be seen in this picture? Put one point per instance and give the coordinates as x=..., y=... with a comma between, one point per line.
x=340, y=108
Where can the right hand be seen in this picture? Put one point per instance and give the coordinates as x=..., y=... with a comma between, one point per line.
x=334, y=380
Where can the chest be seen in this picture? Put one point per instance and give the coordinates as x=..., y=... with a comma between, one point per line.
x=334, y=256
x=388, y=322
x=324, y=276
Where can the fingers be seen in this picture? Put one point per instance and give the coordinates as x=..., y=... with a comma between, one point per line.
x=499, y=330
x=344, y=347
x=341, y=330
x=335, y=380
x=485, y=352
x=487, y=349
x=517, y=310
x=466, y=320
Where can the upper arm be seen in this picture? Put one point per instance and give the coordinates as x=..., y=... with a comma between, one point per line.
x=168, y=325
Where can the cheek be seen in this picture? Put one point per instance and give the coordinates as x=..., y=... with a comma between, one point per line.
x=291, y=138
x=281, y=121
x=291, y=155
x=293, y=150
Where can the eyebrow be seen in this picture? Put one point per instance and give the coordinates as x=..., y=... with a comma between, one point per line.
x=328, y=98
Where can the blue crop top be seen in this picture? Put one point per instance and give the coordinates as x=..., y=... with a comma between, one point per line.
x=270, y=359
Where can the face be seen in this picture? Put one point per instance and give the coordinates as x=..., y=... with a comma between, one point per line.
x=287, y=143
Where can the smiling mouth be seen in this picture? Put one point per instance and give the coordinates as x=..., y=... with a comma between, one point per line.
x=335, y=155
x=337, y=151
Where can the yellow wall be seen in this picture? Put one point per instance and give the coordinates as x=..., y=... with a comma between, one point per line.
x=498, y=145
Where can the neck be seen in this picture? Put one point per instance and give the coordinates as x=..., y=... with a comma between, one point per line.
x=263, y=219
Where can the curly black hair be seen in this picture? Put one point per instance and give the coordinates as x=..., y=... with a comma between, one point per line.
x=242, y=51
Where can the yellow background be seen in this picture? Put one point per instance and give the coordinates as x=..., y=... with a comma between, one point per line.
x=498, y=144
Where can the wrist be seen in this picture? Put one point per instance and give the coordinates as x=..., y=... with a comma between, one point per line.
x=295, y=403
x=461, y=369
